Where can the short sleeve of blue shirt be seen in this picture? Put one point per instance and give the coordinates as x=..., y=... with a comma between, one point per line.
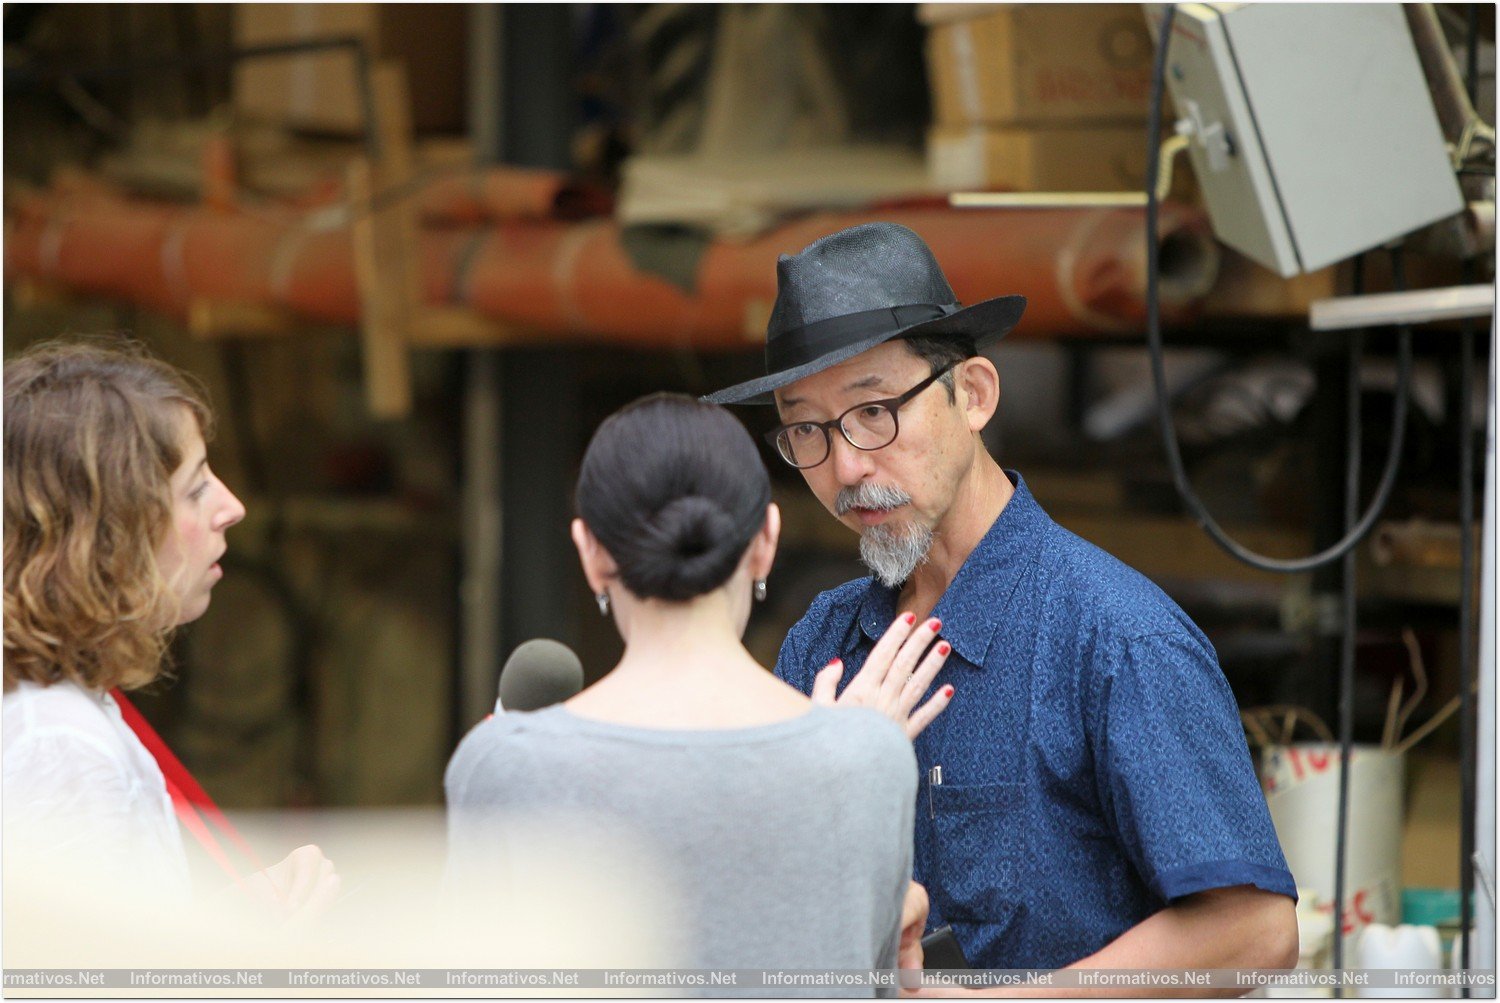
x=1164, y=733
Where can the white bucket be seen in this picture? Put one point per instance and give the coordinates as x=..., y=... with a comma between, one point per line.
x=1413, y=947
x=1301, y=783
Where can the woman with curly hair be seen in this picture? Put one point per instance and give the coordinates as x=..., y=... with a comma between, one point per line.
x=114, y=527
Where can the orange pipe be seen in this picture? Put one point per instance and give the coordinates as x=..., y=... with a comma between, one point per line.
x=163, y=258
x=1081, y=271
x=490, y=194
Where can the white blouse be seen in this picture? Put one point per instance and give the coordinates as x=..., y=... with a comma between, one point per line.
x=81, y=789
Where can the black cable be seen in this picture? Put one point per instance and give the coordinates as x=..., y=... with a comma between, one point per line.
x=1350, y=611
x=1467, y=740
x=1158, y=372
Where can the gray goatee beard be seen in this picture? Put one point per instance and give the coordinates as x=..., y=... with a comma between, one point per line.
x=891, y=552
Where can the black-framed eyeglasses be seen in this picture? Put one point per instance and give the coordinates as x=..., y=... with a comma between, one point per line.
x=868, y=426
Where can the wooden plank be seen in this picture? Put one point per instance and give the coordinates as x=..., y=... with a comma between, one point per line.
x=382, y=315
x=216, y=320
x=29, y=294
x=385, y=240
x=462, y=327
x=1161, y=546
x=397, y=219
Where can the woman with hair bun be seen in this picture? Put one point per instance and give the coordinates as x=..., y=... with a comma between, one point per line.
x=778, y=827
x=114, y=527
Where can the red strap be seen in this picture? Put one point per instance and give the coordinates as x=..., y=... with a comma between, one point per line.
x=193, y=823
x=188, y=796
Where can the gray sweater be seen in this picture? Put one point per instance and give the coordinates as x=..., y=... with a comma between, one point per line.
x=785, y=845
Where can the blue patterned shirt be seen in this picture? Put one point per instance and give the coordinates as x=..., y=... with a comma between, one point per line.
x=1092, y=764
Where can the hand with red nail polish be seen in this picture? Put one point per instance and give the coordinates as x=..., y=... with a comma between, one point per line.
x=898, y=671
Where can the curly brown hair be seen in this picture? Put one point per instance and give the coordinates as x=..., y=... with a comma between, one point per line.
x=93, y=431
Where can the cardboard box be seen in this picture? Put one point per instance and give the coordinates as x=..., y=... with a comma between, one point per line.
x=1038, y=64
x=1064, y=159
x=319, y=92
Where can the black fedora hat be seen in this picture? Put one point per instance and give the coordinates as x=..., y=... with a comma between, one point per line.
x=848, y=292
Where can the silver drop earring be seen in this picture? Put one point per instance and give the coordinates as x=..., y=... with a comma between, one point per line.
x=603, y=600
x=760, y=590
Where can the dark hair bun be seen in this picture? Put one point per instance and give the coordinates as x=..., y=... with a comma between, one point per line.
x=691, y=547
x=674, y=489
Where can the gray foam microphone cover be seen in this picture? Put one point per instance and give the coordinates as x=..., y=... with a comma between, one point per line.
x=539, y=673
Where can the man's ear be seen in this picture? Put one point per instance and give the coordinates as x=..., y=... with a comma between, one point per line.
x=979, y=381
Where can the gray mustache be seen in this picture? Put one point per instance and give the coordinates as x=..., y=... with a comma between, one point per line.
x=879, y=497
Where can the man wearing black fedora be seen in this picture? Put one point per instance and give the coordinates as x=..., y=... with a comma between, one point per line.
x=1086, y=795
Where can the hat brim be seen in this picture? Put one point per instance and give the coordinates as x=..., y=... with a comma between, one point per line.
x=985, y=323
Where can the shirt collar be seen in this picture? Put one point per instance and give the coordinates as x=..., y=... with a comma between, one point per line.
x=971, y=606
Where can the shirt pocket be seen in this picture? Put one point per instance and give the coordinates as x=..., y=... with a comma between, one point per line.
x=979, y=840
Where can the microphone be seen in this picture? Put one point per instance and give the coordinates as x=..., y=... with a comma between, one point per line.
x=539, y=673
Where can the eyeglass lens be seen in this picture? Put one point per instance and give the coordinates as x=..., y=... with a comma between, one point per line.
x=869, y=426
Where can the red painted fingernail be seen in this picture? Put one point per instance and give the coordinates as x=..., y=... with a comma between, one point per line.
x=944, y=647
x=909, y=617
x=936, y=625
x=948, y=690
x=831, y=661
